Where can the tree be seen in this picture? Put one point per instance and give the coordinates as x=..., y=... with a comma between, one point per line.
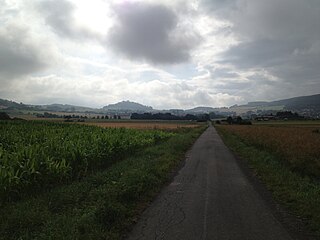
x=239, y=119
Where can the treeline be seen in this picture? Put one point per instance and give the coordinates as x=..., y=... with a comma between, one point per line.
x=169, y=116
x=6, y=117
x=234, y=120
x=73, y=116
x=288, y=115
x=283, y=115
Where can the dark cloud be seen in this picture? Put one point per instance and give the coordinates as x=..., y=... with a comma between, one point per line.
x=59, y=16
x=261, y=53
x=151, y=32
x=291, y=61
x=280, y=37
x=219, y=7
x=19, y=55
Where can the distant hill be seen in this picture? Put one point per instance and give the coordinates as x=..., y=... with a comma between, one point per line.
x=64, y=108
x=11, y=105
x=296, y=104
x=128, y=106
x=201, y=110
x=312, y=101
x=258, y=103
x=303, y=104
x=7, y=104
x=290, y=103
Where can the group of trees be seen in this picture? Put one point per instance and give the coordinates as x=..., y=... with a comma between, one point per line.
x=4, y=116
x=288, y=115
x=238, y=120
x=282, y=115
x=234, y=120
x=169, y=116
x=73, y=116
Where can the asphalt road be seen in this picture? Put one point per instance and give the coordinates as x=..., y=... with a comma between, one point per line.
x=210, y=198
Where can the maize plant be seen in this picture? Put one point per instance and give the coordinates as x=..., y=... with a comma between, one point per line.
x=43, y=153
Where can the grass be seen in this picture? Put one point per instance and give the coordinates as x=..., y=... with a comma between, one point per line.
x=103, y=205
x=295, y=188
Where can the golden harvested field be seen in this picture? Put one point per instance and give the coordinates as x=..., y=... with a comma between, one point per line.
x=299, y=146
x=143, y=125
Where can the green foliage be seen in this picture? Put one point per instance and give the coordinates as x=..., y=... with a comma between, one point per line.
x=34, y=154
x=103, y=205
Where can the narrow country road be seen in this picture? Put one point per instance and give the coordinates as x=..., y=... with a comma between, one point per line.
x=210, y=199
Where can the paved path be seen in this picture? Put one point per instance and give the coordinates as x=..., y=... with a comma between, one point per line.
x=210, y=199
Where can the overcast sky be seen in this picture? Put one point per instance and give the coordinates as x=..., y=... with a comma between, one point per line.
x=167, y=54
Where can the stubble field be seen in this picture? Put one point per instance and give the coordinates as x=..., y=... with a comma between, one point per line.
x=298, y=145
x=286, y=158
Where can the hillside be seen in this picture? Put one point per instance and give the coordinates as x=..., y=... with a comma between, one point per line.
x=128, y=106
x=312, y=101
x=7, y=104
x=201, y=110
x=296, y=103
x=303, y=103
x=65, y=108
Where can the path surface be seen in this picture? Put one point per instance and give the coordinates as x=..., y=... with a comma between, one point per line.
x=210, y=199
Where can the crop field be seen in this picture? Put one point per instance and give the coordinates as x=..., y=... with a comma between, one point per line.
x=143, y=124
x=299, y=145
x=286, y=158
x=292, y=123
x=34, y=154
x=71, y=181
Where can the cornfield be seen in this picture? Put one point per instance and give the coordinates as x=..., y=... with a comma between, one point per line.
x=298, y=146
x=38, y=154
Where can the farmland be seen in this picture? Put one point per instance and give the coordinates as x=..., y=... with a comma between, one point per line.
x=143, y=124
x=286, y=157
x=298, y=146
x=71, y=181
x=43, y=153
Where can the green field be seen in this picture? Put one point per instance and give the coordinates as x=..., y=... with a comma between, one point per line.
x=82, y=182
x=36, y=154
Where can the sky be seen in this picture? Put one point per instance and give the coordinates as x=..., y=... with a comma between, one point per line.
x=166, y=54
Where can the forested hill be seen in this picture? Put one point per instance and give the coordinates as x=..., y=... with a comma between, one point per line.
x=127, y=105
x=302, y=102
x=299, y=102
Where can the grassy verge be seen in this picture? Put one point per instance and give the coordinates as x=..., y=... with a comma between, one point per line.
x=297, y=192
x=103, y=205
